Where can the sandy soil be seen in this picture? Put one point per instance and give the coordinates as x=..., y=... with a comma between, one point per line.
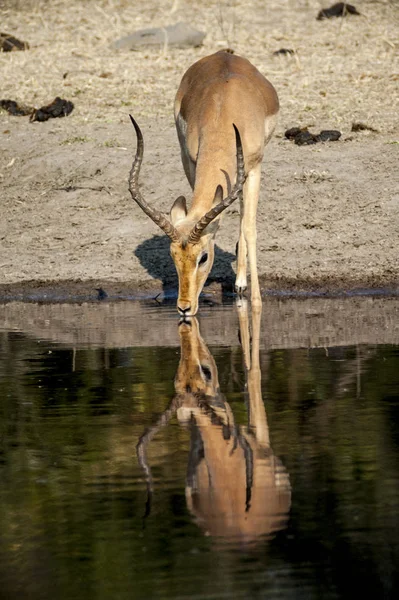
x=329, y=213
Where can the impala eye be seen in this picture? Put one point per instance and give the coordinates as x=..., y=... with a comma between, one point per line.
x=203, y=259
x=207, y=372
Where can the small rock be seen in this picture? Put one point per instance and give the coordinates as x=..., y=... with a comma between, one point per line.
x=283, y=52
x=180, y=35
x=340, y=9
x=101, y=294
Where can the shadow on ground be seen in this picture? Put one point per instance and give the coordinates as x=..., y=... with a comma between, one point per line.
x=154, y=256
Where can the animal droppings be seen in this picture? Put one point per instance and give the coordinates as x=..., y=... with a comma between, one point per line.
x=9, y=43
x=291, y=134
x=340, y=9
x=328, y=135
x=18, y=110
x=357, y=126
x=303, y=137
x=57, y=108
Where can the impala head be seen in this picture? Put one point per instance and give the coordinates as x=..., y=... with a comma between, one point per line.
x=197, y=372
x=192, y=254
x=192, y=242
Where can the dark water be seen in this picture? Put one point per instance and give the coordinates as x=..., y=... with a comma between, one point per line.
x=302, y=503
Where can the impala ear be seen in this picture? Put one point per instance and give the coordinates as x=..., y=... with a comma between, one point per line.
x=218, y=195
x=178, y=211
x=214, y=225
x=212, y=228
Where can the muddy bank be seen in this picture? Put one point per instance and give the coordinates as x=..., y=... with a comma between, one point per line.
x=214, y=292
x=286, y=323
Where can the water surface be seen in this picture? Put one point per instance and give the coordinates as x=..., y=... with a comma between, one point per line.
x=268, y=462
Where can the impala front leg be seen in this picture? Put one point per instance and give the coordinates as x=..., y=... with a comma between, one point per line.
x=247, y=243
x=241, y=278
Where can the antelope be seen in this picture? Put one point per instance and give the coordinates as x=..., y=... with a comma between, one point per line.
x=236, y=489
x=225, y=113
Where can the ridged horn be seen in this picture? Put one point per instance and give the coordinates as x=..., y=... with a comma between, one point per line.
x=235, y=193
x=157, y=216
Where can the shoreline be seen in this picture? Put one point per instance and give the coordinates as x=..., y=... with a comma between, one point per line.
x=87, y=290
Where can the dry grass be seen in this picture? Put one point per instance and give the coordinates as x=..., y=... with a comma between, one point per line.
x=343, y=70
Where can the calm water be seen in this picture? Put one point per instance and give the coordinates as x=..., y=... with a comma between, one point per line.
x=267, y=470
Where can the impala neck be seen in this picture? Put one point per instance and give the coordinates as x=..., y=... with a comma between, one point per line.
x=215, y=153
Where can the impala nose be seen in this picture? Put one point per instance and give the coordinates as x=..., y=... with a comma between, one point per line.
x=184, y=308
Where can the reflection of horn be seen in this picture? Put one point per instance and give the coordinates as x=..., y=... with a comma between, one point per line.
x=142, y=444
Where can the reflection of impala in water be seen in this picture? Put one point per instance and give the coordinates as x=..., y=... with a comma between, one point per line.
x=236, y=488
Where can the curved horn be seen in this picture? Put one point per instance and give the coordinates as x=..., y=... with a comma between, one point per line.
x=235, y=193
x=143, y=443
x=158, y=217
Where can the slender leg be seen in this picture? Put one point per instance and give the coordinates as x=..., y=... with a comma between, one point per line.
x=241, y=279
x=251, y=350
x=247, y=240
x=248, y=230
x=242, y=311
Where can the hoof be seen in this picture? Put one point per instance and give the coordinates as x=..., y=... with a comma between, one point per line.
x=240, y=289
x=242, y=303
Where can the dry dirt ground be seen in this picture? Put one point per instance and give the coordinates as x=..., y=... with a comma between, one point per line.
x=329, y=214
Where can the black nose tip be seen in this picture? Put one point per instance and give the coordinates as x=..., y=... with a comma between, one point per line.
x=183, y=311
x=185, y=321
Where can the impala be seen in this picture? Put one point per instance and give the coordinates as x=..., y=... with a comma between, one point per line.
x=236, y=488
x=225, y=113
